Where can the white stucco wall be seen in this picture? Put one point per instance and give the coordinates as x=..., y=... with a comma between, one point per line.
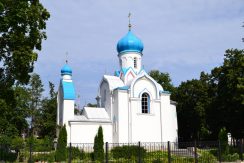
x=123, y=124
x=85, y=132
x=105, y=97
x=169, y=119
x=115, y=117
x=145, y=126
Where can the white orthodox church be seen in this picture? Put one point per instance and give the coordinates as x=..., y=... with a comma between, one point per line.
x=131, y=105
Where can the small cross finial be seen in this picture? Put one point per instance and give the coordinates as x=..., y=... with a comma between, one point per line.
x=129, y=21
x=66, y=60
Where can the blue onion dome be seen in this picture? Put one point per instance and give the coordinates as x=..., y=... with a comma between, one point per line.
x=66, y=70
x=129, y=43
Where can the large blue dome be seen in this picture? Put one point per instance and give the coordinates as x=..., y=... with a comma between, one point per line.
x=66, y=70
x=130, y=43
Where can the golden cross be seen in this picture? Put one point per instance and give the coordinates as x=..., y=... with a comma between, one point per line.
x=129, y=21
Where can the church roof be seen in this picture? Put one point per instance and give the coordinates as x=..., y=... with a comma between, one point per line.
x=113, y=81
x=130, y=43
x=95, y=113
x=68, y=90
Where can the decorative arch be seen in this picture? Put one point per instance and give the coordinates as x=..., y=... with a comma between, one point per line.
x=147, y=77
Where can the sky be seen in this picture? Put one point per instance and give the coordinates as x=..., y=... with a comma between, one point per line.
x=182, y=38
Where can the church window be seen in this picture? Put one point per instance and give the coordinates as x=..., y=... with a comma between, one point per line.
x=145, y=103
x=135, y=62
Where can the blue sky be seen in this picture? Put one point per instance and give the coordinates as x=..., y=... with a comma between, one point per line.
x=182, y=38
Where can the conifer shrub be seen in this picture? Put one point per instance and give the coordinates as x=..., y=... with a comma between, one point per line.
x=98, y=154
x=61, y=152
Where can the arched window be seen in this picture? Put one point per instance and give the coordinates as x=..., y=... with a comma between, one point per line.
x=135, y=62
x=145, y=103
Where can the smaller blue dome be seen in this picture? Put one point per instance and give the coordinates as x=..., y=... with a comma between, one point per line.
x=130, y=43
x=66, y=70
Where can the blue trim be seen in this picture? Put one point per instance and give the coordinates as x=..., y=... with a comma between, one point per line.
x=123, y=88
x=165, y=92
x=125, y=70
x=68, y=90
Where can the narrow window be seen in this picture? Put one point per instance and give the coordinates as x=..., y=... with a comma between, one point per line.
x=135, y=62
x=145, y=103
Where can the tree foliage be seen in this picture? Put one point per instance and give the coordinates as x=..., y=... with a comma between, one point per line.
x=215, y=100
x=22, y=25
x=228, y=100
x=13, y=114
x=35, y=91
x=48, y=114
x=163, y=79
x=192, y=100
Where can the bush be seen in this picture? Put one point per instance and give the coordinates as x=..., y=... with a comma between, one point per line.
x=7, y=155
x=76, y=153
x=41, y=157
x=40, y=145
x=157, y=154
x=207, y=157
x=61, y=152
x=128, y=152
x=230, y=157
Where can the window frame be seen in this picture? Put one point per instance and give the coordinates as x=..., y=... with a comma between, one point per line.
x=145, y=103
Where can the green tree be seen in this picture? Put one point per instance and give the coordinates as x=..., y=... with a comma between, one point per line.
x=228, y=101
x=22, y=25
x=35, y=90
x=61, y=153
x=192, y=101
x=98, y=146
x=13, y=114
x=48, y=114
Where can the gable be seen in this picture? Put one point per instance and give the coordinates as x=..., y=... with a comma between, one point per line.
x=145, y=83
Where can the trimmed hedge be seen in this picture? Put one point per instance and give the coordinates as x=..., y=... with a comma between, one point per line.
x=128, y=152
